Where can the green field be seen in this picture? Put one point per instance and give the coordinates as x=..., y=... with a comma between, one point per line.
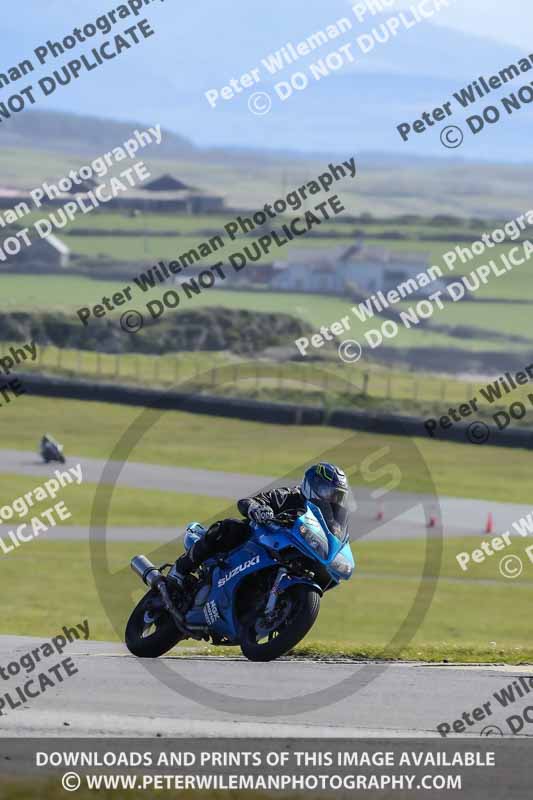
x=103, y=219
x=148, y=508
x=191, y=230
x=465, y=619
x=25, y=293
x=329, y=383
x=217, y=443
x=506, y=319
x=325, y=379
x=249, y=180
x=513, y=285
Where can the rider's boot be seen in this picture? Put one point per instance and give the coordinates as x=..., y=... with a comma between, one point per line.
x=194, y=557
x=183, y=568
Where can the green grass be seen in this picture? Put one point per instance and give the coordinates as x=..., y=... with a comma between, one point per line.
x=23, y=292
x=466, y=618
x=182, y=439
x=328, y=383
x=320, y=310
x=73, y=292
x=147, y=508
x=513, y=285
x=466, y=615
x=148, y=370
x=503, y=318
x=248, y=181
x=181, y=224
x=189, y=230
x=137, y=249
x=46, y=788
x=103, y=219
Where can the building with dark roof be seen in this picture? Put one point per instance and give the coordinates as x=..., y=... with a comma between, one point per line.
x=166, y=183
x=163, y=195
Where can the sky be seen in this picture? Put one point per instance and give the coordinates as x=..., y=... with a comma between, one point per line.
x=200, y=46
x=508, y=22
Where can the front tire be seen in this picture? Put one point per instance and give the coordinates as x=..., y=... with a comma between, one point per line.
x=150, y=639
x=305, y=605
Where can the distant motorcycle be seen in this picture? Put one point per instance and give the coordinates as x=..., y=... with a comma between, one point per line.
x=51, y=450
x=264, y=596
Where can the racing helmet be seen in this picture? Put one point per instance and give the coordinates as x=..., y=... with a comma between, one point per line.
x=327, y=487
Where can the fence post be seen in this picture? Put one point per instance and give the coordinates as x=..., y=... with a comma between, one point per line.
x=176, y=369
x=117, y=365
x=98, y=363
x=366, y=378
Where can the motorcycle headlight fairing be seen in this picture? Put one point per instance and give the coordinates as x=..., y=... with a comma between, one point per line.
x=341, y=565
x=316, y=539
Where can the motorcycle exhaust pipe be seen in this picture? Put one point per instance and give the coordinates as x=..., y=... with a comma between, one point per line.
x=147, y=572
x=152, y=577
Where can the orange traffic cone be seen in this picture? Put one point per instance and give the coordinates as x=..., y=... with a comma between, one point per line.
x=489, y=527
x=381, y=512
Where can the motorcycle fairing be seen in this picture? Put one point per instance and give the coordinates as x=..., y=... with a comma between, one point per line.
x=228, y=572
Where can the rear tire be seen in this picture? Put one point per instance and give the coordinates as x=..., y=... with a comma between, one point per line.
x=306, y=605
x=150, y=641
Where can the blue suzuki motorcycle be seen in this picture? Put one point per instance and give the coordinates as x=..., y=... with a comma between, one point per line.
x=264, y=596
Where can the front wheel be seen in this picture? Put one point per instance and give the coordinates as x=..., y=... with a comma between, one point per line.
x=296, y=612
x=150, y=631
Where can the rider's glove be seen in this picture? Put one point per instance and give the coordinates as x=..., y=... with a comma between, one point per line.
x=259, y=513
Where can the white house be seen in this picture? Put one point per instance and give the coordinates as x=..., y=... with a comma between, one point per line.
x=369, y=269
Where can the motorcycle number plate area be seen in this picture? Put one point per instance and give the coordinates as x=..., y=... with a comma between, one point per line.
x=211, y=612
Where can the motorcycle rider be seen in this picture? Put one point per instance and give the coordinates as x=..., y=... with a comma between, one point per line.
x=323, y=484
x=48, y=441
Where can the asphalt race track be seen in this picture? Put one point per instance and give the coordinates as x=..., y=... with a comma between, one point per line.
x=401, y=519
x=114, y=695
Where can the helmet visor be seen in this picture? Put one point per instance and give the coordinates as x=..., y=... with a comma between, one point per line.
x=325, y=490
x=335, y=504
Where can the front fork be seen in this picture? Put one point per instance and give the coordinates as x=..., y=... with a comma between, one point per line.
x=274, y=592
